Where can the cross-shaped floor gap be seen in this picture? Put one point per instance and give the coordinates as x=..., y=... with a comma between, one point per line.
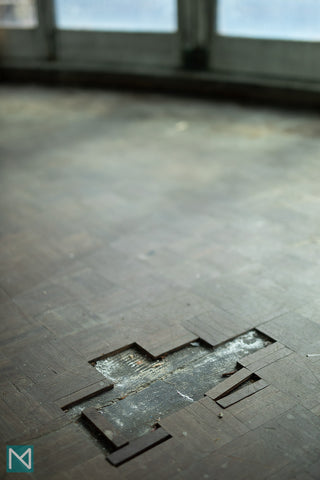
x=146, y=390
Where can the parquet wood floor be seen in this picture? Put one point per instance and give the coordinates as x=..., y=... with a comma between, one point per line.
x=117, y=226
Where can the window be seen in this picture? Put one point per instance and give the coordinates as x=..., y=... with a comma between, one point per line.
x=271, y=39
x=119, y=15
x=276, y=19
x=18, y=14
x=267, y=38
x=115, y=33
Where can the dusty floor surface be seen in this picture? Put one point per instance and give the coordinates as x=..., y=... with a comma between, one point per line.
x=131, y=218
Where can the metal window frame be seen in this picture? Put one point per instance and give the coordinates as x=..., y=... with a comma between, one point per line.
x=290, y=60
x=196, y=46
x=118, y=49
x=46, y=42
x=35, y=43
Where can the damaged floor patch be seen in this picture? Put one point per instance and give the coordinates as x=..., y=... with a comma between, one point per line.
x=146, y=390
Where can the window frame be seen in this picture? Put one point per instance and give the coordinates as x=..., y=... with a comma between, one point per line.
x=118, y=49
x=195, y=46
x=283, y=59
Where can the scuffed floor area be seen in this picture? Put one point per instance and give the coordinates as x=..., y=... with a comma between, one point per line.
x=149, y=219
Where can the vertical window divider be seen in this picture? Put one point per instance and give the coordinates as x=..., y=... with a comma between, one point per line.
x=195, y=26
x=213, y=32
x=47, y=27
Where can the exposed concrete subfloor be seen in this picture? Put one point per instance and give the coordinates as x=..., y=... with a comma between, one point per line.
x=147, y=219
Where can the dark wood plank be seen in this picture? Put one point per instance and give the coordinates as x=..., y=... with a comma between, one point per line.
x=45, y=428
x=200, y=429
x=229, y=384
x=106, y=428
x=60, y=450
x=242, y=393
x=217, y=326
x=48, y=359
x=259, y=354
x=166, y=460
x=84, y=394
x=166, y=340
x=299, y=333
x=43, y=297
x=262, y=362
x=258, y=454
x=17, y=331
x=184, y=427
x=261, y=407
x=99, y=340
x=95, y=468
x=27, y=408
x=293, y=375
x=219, y=429
x=262, y=452
x=10, y=424
x=138, y=446
x=229, y=424
x=23, y=339
x=85, y=281
x=245, y=297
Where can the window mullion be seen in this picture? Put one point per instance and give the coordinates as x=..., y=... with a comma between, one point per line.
x=46, y=18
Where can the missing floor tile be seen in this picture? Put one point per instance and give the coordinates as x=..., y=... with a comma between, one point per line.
x=146, y=390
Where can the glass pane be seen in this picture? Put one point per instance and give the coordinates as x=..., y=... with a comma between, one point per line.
x=117, y=15
x=18, y=13
x=273, y=19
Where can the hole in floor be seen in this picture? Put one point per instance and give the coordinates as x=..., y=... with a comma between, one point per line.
x=146, y=390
